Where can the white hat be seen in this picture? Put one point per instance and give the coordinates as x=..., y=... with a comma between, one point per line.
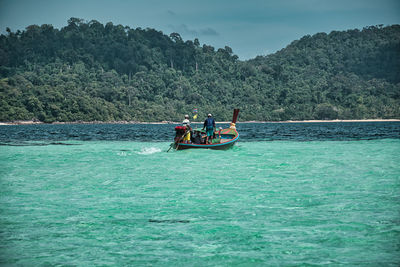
x=209, y=115
x=186, y=116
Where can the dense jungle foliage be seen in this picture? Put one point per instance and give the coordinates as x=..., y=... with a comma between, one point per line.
x=88, y=71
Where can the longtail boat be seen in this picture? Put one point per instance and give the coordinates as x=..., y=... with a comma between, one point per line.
x=223, y=138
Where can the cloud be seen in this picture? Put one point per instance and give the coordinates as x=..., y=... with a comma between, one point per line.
x=209, y=32
x=183, y=29
x=171, y=13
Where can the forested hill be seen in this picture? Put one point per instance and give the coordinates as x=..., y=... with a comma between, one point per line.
x=89, y=71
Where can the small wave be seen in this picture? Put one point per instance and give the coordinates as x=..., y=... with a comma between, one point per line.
x=149, y=150
x=107, y=182
x=168, y=221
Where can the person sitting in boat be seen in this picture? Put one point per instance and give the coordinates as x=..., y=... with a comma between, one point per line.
x=186, y=123
x=209, y=124
x=197, y=137
x=219, y=134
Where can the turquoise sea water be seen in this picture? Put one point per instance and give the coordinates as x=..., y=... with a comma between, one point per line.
x=285, y=203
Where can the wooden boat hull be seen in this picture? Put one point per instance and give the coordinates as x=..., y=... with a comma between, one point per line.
x=228, y=138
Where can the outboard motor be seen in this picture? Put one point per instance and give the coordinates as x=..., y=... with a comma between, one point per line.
x=179, y=132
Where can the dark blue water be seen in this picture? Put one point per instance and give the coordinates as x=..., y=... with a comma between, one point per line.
x=249, y=132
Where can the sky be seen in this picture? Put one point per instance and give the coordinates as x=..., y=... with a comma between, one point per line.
x=250, y=27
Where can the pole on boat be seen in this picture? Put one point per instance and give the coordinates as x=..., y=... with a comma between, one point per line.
x=235, y=115
x=183, y=136
x=177, y=142
x=170, y=146
x=234, y=118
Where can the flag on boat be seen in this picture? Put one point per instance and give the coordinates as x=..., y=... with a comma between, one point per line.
x=195, y=113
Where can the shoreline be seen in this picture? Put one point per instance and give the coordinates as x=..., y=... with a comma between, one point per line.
x=193, y=122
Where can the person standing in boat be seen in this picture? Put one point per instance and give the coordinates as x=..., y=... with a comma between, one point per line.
x=209, y=124
x=186, y=123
